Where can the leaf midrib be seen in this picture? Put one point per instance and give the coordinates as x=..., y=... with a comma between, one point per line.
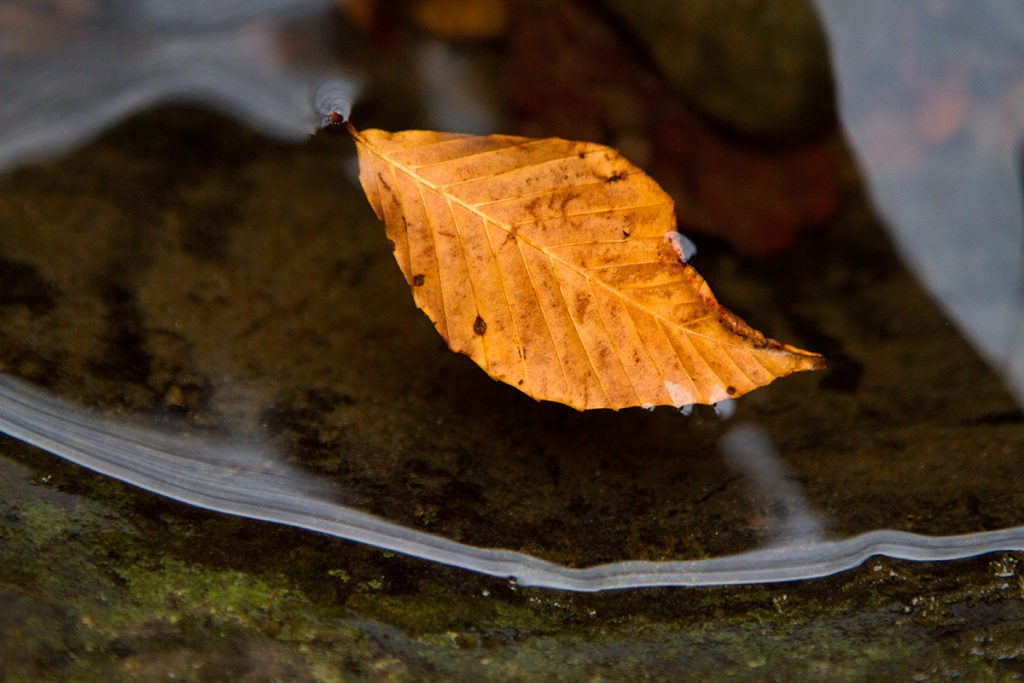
x=411, y=172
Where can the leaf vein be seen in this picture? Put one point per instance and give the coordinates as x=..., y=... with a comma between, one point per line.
x=589, y=212
x=644, y=343
x=626, y=265
x=469, y=276
x=611, y=341
x=518, y=143
x=690, y=376
x=544, y=316
x=517, y=169
x=553, y=190
x=508, y=306
x=437, y=260
x=509, y=226
x=566, y=245
x=576, y=328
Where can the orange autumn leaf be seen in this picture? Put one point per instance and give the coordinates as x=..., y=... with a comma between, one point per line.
x=556, y=266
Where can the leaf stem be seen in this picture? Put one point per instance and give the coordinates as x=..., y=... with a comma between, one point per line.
x=338, y=118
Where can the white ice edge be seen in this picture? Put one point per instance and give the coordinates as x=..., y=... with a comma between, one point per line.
x=192, y=472
x=224, y=55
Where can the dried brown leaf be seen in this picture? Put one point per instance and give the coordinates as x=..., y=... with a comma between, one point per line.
x=556, y=266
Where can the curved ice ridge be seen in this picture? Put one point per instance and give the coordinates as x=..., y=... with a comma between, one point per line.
x=133, y=55
x=251, y=482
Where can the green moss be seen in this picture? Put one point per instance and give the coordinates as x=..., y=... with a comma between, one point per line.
x=109, y=598
x=43, y=523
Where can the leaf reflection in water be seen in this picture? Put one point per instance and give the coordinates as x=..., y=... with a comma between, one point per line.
x=249, y=481
x=65, y=79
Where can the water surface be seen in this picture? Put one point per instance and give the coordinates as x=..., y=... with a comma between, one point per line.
x=188, y=274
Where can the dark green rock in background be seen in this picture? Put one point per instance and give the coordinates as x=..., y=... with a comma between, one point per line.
x=759, y=68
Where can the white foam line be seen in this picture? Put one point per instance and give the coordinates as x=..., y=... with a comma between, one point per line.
x=249, y=482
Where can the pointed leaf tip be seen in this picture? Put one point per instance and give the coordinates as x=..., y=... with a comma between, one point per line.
x=553, y=265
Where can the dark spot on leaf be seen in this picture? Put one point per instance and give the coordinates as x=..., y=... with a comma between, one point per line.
x=582, y=302
x=625, y=234
x=616, y=177
x=479, y=326
x=391, y=243
x=730, y=390
x=565, y=201
x=533, y=206
x=581, y=155
x=418, y=279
